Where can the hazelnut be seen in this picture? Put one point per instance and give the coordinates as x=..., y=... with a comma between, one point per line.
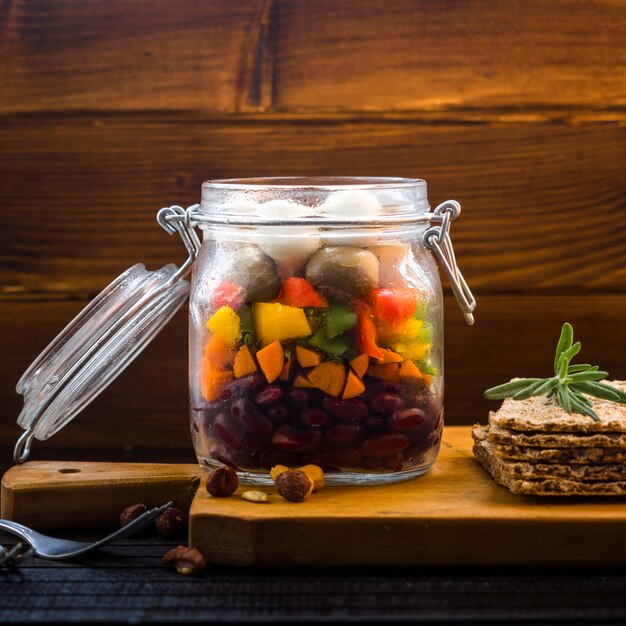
x=294, y=485
x=131, y=513
x=171, y=523
x=185, y=560
x=314, y=472
x=222, y=482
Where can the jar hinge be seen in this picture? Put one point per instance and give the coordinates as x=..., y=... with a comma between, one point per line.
x=175, y=219
x=437, y=239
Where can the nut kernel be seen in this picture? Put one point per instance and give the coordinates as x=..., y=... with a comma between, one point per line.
x=131, y=513
x=222, y=482
x=172, y=523
x=294, y=485
x=185, y=560
x=254, y=496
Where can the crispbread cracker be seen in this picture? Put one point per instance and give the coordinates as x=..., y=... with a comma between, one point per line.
x=541, y=414
x=557, y=439
x=501, y=473
x=539, y=471
x=574, y=456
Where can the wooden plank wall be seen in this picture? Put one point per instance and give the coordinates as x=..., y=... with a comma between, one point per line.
x=110, y=110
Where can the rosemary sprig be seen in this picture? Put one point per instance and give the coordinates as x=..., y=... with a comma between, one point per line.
x=568, y=384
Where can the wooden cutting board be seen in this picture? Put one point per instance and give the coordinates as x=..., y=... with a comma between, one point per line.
x=61, y=494
x=453, y=515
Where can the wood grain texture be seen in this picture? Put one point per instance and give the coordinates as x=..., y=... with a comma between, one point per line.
x=453, y=515
x=52, y=494
x=316, y=56
x=74, y=55
x=541, y=201
x=147, y=406
x=406, y=55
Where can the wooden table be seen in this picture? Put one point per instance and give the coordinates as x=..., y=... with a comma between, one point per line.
x=128, y=583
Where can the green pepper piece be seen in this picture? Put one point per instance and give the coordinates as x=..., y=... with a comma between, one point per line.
x=338, y=319
x=333, y=346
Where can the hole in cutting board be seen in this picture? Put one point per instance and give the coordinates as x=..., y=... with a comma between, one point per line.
x=69, y=470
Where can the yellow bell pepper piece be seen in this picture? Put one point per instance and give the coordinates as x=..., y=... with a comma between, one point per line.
x=276, y=322
x=401, y=333
x=415, y=350
x=226, y=325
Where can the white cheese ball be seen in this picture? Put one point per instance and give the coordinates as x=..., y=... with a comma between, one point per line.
x=291, y=246
x=355, y=204
x=348, y=203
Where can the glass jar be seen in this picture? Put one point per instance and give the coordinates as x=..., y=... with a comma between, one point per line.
x=316, y=329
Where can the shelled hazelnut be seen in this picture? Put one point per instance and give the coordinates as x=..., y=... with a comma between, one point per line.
x=222, y=482
x=172, y=523
x=131, y=513
x=187, y=561
x=294, y=485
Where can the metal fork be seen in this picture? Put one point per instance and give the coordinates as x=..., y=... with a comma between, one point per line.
x=58, y=549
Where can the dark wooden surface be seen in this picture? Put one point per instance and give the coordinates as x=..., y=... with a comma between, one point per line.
x=128, y=584
x=110, y=111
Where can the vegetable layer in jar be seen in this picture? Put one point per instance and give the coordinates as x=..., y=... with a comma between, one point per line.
x=330, y=355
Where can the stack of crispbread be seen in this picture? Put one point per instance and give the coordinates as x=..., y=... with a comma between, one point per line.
x=535, y=447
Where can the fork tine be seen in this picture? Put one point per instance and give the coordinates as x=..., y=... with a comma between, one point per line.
x=10, y=554
x=24, y=555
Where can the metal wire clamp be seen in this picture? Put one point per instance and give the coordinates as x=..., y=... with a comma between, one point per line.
x=437, y=240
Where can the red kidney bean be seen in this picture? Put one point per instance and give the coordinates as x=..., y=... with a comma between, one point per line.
x=424, y=438
x=268, y=396
x=234, y=432
x=291, y=439
x=212, y=408
x=271, y=458
x=380, y=446
x=194, y=425
x=314, y=418
x=232, y=437
x=237, y=460
x=343, y=436
x=226, y=393
x=371, y=463
x=385, y=403
x=333, y=406
x=422, y=442
x=298, y=399
x=260, y=426
x=352, y=410
x=394, y=462
x=340, y=458
x=374, y=386
x=408, y=419
x=279, y=413
x=375, y=424
x=252, y=383
x=219, y=452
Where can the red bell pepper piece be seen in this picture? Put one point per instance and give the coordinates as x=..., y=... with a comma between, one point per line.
x=393, y=306
x=299, y=293
x=367, y=330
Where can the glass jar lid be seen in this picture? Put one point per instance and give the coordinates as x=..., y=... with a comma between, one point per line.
x=101, y=341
